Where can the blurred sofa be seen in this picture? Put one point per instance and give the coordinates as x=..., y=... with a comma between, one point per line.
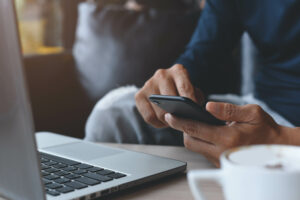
x=107, y=47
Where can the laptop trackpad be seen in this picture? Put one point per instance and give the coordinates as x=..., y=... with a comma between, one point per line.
x=82, y=151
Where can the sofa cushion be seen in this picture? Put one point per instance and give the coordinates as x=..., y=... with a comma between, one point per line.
x=116, y=47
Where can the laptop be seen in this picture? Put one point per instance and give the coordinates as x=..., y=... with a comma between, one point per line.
x=52, y=166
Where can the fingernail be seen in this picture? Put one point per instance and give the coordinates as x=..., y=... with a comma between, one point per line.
x=168, y=117
x=212, y=106
x=208, y=106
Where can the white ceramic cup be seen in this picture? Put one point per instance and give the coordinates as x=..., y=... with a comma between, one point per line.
x=259, y=172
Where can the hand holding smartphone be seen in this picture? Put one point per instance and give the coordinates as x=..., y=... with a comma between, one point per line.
x=185, y=108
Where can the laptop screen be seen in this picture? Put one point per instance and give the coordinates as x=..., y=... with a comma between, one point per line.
x=19, y=174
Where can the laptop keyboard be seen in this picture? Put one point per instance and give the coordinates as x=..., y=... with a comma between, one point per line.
x=62, y=175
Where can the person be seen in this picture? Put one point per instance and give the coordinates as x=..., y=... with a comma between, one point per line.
x=274, y=26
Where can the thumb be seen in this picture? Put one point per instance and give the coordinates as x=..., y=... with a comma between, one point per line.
x=228, y=112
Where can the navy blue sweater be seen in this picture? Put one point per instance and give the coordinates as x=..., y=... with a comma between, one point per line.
x=274, y=26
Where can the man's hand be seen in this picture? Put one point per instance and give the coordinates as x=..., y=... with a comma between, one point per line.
x=246, y=125
x=173, y=81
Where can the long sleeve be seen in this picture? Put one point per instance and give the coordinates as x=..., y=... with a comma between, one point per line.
x=210, y=49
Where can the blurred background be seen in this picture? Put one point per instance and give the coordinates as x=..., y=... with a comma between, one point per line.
x=41, y=21
x=75, y=51
x=40, y=24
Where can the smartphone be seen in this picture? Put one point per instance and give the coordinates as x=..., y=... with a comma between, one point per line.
x=185, y=108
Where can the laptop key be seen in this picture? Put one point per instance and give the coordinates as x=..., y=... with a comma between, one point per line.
x=53, y=186
x=50, y=163
x=95, y=169
x=45, y=174
x=51, y=170
x=79, y=171
x=76, y=185
x=105, y=172
x=83, y=166
x=43, y=167
x=59, y=159
x=97, y=177
x=88, y=181
x=62, y=180
x=70, y=168
x=59, y=166
x=116, y=175
x=44, y=160
x=46, y=181
x=52, y=193
x=72, y=176
x=61, y=173
x=51, y=177
x=65, y=189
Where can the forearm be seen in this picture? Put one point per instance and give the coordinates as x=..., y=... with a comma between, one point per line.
x=290, y=136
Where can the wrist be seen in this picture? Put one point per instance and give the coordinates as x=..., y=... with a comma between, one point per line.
x=289, y=136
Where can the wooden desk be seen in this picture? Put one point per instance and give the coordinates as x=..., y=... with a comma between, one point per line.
x=175, y=187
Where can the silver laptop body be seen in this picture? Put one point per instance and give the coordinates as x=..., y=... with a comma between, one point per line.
x=20, y=175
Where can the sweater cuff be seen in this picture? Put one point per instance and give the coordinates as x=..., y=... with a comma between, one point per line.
x=190, y=66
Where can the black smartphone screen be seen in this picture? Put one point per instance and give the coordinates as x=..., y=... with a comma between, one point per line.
x=185, y=108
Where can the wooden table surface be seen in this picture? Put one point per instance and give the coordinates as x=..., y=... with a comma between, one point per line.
x=173, y=188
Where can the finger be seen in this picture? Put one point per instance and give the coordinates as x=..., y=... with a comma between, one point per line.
x=183, y=83
x=147, y=111
x=200, y=96
x=230, y=112
x=167, y=87
x=212, y=134
x=210, y=151
x=159, y=114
